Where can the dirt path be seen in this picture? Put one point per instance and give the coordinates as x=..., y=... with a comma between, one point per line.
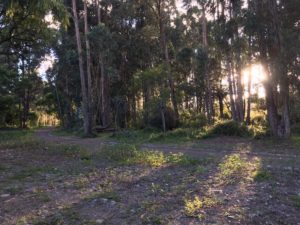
x=208, y=146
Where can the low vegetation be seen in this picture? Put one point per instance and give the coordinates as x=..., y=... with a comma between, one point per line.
x=55, y=183
x=130, y=154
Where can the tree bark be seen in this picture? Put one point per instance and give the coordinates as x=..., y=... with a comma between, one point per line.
x=86, y=120
x=88, y=66
x=208, y=93
x=163, y=41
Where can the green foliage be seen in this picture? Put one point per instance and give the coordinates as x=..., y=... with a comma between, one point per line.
x=229, y=128
x=188, y=120
x=112, y=195
x=296, y=200
x=18, y=139
x=193, y=206
x=296, y=140
x=129, y=154
x=232, y=168
x=262, y=175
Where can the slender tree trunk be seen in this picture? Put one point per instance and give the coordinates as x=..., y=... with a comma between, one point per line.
x=86, y=120
x=104, y=83
x=231, y=89
x=161, y=17
x=248, y=117
x=208, y=93
x=88, y=66
x=240, y=90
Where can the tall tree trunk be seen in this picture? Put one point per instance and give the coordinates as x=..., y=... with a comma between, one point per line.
x=88, y=66
x=240, y=90
x=86, y=119
x=104, y=83
x=248, y=117
x=208, y=93
x=163, y=41
x=231, y=90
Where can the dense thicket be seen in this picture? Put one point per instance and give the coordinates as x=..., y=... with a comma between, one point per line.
x=152, y=63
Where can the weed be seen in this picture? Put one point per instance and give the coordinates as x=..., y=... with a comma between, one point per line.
x=296, y=140
x=2, y=168
x=112, y=195
x=81, y=182
x=200, y=169
x=129, y=154
x=261, y=175
x=296, y=200
x=155, y=220
x=232, y=168
x=42, y=196
x=193, y=206
x=120, y=152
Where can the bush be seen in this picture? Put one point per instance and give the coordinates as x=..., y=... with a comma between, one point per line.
x=197, y=121
x=259, y=119
x=155, y=119
x=229, y=128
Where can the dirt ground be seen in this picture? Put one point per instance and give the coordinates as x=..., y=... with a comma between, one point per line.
x=235, y=181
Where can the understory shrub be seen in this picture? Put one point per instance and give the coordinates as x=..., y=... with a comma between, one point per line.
x=193, y=121
x=229, y=128
x=155, y=120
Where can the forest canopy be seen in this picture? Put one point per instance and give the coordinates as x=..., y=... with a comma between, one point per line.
x=151, y=63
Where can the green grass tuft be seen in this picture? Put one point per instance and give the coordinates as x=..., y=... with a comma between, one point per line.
x=232, y=168
x=262, y=175
x=296, y=200
x=129, y=154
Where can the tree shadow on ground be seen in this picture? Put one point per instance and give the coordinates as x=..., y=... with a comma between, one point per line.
x=262, y=191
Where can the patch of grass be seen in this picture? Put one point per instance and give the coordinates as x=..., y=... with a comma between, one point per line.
x=67, y=216
x=81, y=182
x=194, y=206
x=20, y=139
x=200, y=169
x=261, y=175
x=179, y=135
x=42, y=196
x=111, y=195
x=296, y=140
x=71, y=151
x=232, y=168
x=155, y=220
x=32, y=171
x=2, y=168
x=29, y=172
x=129, y=154
x=296, y=200
x=14, y=190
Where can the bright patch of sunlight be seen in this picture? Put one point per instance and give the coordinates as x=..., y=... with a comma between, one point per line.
x=258, y=76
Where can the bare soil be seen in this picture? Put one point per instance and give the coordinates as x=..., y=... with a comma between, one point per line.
x=40, y=185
